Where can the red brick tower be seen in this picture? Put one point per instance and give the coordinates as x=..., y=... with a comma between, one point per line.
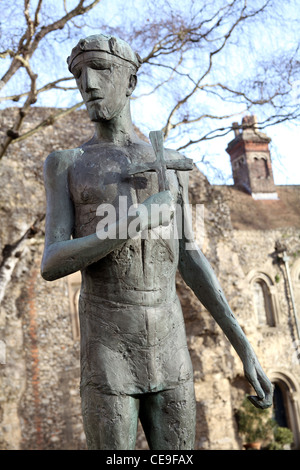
x=251, y=161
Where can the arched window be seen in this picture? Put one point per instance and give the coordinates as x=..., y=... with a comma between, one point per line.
x=286, y=403
x=279, y=405
x=262, y=303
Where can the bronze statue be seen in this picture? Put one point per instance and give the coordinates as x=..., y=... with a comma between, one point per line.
x=134, y=356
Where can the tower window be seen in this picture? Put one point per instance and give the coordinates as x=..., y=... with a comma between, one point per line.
x=260, y=168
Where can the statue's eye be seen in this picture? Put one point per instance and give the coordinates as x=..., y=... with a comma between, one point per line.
x=101, y=68
x=100, y=65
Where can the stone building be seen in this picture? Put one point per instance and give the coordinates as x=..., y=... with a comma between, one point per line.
x=250, y=236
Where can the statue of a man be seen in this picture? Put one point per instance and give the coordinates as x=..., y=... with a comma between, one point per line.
x=134, y=356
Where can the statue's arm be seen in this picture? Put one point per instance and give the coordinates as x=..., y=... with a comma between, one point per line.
x=200, y=277
x=62, y=254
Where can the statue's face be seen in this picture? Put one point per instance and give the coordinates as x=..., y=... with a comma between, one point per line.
x=104, y=84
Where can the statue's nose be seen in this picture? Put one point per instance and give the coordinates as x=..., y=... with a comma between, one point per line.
x=90, y=80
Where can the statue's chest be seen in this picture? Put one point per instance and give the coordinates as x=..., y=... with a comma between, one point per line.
x=95, y=180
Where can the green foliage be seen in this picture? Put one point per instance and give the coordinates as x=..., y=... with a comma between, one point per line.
x=253, y=423
x=256, y=425
x=282, y=437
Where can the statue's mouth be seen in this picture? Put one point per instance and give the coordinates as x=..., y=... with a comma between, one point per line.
x=94, y=98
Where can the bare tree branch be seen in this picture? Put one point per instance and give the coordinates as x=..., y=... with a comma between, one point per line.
x=48, y=122
x=31, y=38
x=27, y=45
x=169, y=125
x=31, y=99
x=11, y=255
x=222, y=131
x=49, y=86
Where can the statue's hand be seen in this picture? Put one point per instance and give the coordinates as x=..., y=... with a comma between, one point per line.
x=160, y=209
x=260, y=382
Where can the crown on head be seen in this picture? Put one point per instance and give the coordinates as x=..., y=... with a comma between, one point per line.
x=108, y=44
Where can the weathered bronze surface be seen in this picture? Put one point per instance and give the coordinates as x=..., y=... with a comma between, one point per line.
x=134, y=356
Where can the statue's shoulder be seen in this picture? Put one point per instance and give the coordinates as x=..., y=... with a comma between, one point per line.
x=59, y=161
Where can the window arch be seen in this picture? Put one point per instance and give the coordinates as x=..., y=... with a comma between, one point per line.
x=286, y=403
x=264, y=299
x=262, y=303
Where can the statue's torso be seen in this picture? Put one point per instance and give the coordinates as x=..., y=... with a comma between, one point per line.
x=142, y=271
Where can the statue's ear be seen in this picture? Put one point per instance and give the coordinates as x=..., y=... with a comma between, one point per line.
x=131, y=85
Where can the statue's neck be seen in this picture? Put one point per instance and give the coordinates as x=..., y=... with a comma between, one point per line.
x=118, y=130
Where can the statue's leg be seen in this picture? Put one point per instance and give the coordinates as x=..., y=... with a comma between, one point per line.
x=169, y=418
x=110, y=421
